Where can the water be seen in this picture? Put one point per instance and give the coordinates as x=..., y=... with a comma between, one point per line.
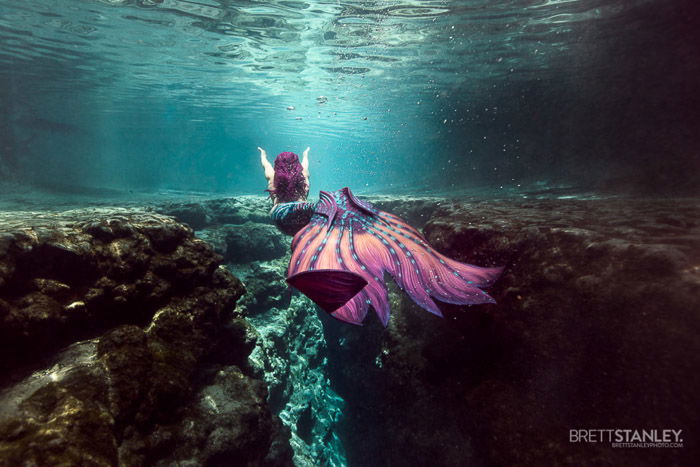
x=512, y=103
x=391, y=96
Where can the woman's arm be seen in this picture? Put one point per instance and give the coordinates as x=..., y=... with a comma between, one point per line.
x=305, y=165
x=269, y=170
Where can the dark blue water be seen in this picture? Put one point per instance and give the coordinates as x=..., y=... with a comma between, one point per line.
x=393, y=97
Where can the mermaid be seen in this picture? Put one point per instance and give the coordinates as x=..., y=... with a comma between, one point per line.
x=342, y=247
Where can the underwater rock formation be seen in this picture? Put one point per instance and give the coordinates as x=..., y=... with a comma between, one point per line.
x=290, y=356
x=289, y=352
x=414, y=210
x=595, y=327
x=119, y=345
x=238, y=210
x=247, y=242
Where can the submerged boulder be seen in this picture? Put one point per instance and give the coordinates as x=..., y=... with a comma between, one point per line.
x=119, y=345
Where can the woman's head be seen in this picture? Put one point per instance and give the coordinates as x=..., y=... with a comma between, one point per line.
x=289, y=183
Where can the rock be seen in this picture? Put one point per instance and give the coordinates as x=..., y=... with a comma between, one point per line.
x=290, y=357
x=216, y=212
x=250, y=242
x=59, y=416
x=267, y=287
x=192, y=214
x=595, y=327
x=415, y=211
x=215, y=236
x=228, y=424
x=117, y=336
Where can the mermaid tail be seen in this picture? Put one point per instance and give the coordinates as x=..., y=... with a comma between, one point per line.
x=339, y=259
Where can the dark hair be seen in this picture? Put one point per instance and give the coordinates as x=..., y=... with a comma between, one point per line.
x=289, y=183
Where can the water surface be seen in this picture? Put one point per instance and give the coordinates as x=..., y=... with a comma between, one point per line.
x=392, y=96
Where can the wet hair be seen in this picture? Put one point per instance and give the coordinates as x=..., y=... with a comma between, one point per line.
x=289, y=183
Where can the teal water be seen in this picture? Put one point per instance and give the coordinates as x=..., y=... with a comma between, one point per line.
x=392, y=96
x=142, y=102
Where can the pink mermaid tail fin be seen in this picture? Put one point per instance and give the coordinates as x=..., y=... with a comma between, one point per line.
x=352, y=236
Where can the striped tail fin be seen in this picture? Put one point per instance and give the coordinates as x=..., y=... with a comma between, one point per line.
x=354, y=237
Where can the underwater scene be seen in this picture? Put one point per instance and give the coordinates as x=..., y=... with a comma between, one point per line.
x=349, y=233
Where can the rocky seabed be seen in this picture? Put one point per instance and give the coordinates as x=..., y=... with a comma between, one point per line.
x=167, y=335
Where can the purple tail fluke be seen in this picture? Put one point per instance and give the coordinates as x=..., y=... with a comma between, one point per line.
x=330, y=289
